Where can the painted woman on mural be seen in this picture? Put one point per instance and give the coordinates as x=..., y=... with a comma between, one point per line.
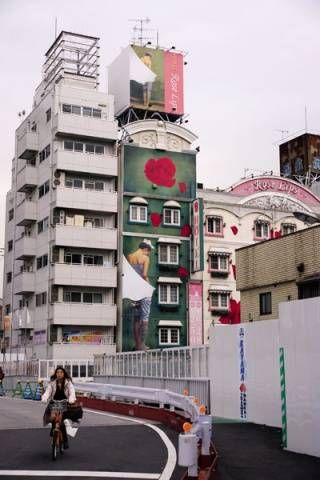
x=139, y=260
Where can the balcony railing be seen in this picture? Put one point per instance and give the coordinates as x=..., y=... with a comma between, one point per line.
x=84, y=199
x=85, y=127
x=87, y=163
x=85, y=237
x=83, y=275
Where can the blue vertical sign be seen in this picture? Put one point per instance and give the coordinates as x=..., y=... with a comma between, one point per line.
x=243, y=374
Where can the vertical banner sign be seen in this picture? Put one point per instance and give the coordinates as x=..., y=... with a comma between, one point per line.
x=195, y=313
x=197, y=235
x=283, y=398
x=173, y=82
x=243, y=374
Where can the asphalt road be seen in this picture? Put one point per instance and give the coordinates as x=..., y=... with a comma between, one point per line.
x=106, y=445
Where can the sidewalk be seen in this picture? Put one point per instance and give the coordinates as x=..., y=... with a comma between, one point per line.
x=253, y=452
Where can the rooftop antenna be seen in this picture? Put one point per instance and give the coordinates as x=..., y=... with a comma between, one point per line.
x=139, y=30
x=55, y=27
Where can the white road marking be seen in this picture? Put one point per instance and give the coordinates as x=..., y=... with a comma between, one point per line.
x=75, y=473
x=172, y=454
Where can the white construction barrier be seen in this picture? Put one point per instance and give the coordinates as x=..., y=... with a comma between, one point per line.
x=244, y=371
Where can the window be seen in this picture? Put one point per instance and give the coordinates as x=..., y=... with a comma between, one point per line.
x=92, y=297
x=265, y=302
x=89, y=148
x=218, y=263
x=168, y=254
x=10, y=214
x=78, y=147
x=44, y=189
x=93, y=259
x=168, y=294
x=48, y=115
x=68, y=145
x=10, y=245
x=309, y=289
x=76, y=109
x=287, y=228
x=7, y=309
x=43, y=225
x=219, y=300
x=66, y=108
x=214, y=226
x=73, y=258
x=171, y=216
x=9, y=277
x=138, y=213
x=169, y=336
x=42, y=261
x=44, y=153
x=82, y=297
x=262, y=230
x=99, y=149
x=41, y=299
x=72, y=297
x=93, y=222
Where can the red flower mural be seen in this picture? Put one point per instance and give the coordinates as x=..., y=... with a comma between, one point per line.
x=183, y=272
x=233, y=316
x=155, y=219
x=161, y=171
x=185, y=231
x=243, y=388
x=234, y=229
x=182, y=187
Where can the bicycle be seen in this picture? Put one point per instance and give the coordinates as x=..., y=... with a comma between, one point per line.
x=57, y=408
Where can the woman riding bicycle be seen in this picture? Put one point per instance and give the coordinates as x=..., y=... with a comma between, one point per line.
x=59, y=388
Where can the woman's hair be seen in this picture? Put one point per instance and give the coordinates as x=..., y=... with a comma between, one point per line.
x=66, y=374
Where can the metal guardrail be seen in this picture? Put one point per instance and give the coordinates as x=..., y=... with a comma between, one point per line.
x=200, y=429
x=177, y=363
x=147, y=395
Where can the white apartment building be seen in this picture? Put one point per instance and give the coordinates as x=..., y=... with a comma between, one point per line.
x=60, y=274
x=252, y=210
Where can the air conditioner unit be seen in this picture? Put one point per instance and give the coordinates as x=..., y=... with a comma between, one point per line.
x=56, y=182
x=57, y=174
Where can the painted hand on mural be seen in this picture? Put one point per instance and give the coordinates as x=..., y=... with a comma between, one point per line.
x=233, y=316
x=161, y=171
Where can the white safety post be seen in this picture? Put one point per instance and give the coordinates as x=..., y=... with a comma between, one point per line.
x=188, y=450
x=205, y=424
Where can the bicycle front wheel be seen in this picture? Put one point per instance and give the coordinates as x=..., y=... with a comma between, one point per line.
x=54, y=446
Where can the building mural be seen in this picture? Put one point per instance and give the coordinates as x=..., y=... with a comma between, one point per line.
x=158, y=188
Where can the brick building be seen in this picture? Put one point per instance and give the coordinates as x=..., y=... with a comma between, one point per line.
x=280, y=270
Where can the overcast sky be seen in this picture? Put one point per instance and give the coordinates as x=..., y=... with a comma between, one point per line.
x=252, y=68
